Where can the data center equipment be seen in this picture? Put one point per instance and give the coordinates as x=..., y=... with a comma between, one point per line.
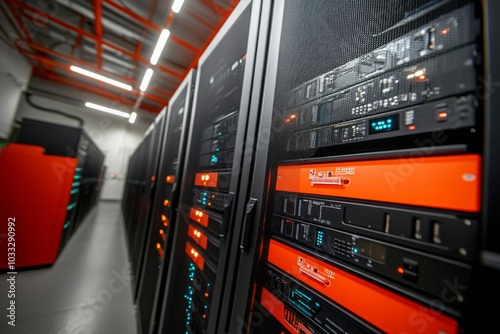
x=370, y=204
x=164, y=207
x=199, y=271
x=36, y=202
x=70, y=142
x=139, y=192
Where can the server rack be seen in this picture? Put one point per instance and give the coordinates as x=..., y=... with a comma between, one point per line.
x=375, y=207
x=216, y=161
x=148, y=154
x=70, y=142
x=164, y=207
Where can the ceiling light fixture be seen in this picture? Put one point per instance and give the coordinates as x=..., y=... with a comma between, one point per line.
x=108, y=110
x=100, y=78
x=176, y=7
x=146, y=79
x=133, y=117
x=159, y=46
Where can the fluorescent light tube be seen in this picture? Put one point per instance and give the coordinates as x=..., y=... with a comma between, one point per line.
x=101, y=78
x=176, y=7
x=159, y=46
x=146, y=79
x=106, y=109
x=133, y=117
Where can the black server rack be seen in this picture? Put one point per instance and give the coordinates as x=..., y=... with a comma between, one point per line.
x=71, y=142
x=164, y=207
x=374, y=190
x=147, y=161
x=216, y=161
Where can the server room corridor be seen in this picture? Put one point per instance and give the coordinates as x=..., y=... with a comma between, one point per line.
x=87, y=291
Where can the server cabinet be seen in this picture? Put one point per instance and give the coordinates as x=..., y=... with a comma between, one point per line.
x=372, y=199
x=147, y=163
x=164, y=207
x=207, y=219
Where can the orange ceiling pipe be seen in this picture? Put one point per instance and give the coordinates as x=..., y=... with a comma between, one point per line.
x=94, y=38
x=150, y=24
x=98, y=30
x=101, y=92
x=88, y=65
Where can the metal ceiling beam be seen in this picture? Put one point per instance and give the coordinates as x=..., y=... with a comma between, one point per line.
x=94, y=89
x=98, y=30
x=88, y=65
x=150, y=24
x=64, y=67
x=94, y=38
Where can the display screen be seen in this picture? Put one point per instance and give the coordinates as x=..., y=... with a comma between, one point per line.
x=384, y=124
x=371, y=250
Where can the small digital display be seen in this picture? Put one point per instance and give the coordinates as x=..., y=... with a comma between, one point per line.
x=370, y=250
x=383, y=124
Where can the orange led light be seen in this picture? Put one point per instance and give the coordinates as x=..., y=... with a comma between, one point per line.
x=293, y=116
x=206, y=294
x=287, y=120
x=445, y=31
x=158, y=245
x=166, y=202
x=163, y=218
x=401, y=270
x=161, y=231
x=442, y=115
x=412, y=127
x=422, y=77
x=165, y=224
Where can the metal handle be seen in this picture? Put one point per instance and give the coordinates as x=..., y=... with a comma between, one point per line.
x=247, y=225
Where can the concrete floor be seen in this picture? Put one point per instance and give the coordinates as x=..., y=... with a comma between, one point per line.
x=87, y=291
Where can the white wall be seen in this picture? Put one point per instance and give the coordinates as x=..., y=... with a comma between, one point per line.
x=15, y=72
x=114, y=135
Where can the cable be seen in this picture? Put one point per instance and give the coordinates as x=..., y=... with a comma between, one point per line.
x=28, y=99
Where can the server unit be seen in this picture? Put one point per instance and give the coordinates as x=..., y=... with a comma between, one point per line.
x=164, y=206
x=369, y=202
x=217, y=159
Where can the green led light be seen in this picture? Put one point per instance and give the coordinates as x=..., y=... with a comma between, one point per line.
x=71, y=206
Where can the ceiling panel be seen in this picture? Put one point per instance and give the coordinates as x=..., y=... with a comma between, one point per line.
x=114, y=38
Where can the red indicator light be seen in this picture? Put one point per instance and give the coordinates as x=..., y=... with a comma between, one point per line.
x=412, y=127
x=401, y=270
x=445, y=31
x=442, y=115
x=293, y=116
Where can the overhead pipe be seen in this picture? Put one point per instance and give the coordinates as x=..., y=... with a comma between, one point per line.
x=95, y=39
x=149, y=24
x=96, y=90
x=64, y=67
x=107, y=24
x=98, y=30
x=134, y=91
